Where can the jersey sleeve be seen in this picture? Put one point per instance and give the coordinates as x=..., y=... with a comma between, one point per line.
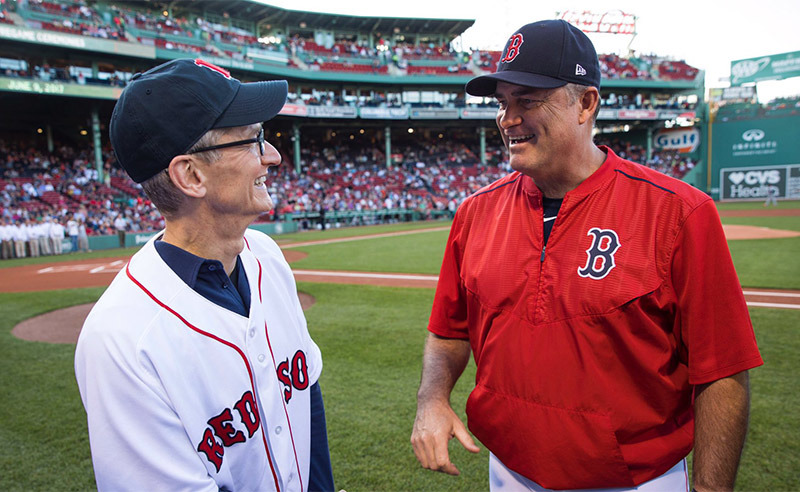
x=137, y=439
x=449, y=313
x=715, y=324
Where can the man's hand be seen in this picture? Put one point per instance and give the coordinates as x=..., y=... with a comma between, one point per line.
x=435, y=425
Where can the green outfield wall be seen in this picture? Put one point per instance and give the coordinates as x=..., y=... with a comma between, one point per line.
x=754, y=157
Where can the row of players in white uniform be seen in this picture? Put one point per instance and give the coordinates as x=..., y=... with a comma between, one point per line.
x=29, y=238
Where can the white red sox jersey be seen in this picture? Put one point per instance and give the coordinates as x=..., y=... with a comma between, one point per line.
x=182, y=394
x=587, y=349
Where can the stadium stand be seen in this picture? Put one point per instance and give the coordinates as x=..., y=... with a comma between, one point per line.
x=780, y=107
x=341, y=79
x=194, y=35
x=431, y=177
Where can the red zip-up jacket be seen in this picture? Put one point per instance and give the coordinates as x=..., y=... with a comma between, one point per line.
x=587, y=350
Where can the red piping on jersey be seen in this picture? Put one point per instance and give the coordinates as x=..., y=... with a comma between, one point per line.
x=269, y=344
x=220, y=340
x=686, y=473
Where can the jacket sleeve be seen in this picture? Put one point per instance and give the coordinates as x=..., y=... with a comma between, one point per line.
x=712, y=314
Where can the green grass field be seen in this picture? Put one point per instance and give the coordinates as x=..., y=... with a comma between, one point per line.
x=372, y=340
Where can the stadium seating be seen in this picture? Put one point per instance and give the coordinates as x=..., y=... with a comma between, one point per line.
x=199, y=36
x=353, y=67
x=438, y=70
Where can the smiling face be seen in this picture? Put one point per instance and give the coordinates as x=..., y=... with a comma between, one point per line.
x=540, y=127
x=236, y=184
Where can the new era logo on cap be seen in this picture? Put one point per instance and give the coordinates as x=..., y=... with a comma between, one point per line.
x=579, y=70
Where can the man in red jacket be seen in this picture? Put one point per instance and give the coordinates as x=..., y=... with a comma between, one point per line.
x=597, y=296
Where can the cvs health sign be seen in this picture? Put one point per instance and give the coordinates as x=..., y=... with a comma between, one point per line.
x=750, y=183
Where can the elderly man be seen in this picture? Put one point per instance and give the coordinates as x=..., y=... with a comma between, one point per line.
x=597, y=297
x=195, y=367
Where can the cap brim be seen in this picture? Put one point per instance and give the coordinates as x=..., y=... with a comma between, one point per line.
x=254, y=102
x=486, y=85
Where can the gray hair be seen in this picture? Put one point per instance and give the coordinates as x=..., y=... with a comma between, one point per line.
x=162, y=191
x=575, y=92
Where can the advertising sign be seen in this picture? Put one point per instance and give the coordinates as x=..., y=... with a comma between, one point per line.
x=332, y=111
x=383, y=113
x=637, y=114
x=290, y=109
x=75, y=41
x=684, y=140
x=58, y=88
x=612, y=22
x=478, y=113
x=757, y=183
x=434, y=114
x=759, y=143
x=772, y=67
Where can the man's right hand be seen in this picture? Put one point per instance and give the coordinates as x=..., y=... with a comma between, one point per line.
x=435, y=425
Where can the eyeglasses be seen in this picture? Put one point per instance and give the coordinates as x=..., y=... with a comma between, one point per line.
x=259, y=139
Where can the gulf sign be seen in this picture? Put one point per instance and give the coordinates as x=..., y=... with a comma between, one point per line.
x=684, y=140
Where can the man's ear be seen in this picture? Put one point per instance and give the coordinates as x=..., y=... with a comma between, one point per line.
x=187, y=176
x=588, y=104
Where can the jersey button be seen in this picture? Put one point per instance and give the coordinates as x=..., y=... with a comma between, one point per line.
x=261, y=357
x=252, y=332
x=278, y=430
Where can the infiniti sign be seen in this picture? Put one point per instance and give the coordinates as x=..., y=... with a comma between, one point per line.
x=753, y=135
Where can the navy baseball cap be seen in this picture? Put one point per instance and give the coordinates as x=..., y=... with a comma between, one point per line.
x=164, y=111
x=543, y=55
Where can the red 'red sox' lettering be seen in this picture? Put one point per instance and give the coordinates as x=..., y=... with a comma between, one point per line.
x=248, y=412
x=212, y=449
x=223, y=430
x=294, y=375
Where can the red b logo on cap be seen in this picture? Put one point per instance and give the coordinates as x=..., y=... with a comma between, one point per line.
x=211, y=66
x=513, y=48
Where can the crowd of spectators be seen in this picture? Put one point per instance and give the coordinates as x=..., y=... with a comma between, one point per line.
x=42, y=190
x=669, y=162
x=614, y=100
x=343, y=54
x=78, y=18
x=779, y=107
x=429, y=180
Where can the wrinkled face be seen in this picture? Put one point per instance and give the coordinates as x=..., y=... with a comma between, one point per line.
x=538, y=126
x=236, y=184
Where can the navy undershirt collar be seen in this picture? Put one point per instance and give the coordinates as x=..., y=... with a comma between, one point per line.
x=208, y=278
x=550, y=208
